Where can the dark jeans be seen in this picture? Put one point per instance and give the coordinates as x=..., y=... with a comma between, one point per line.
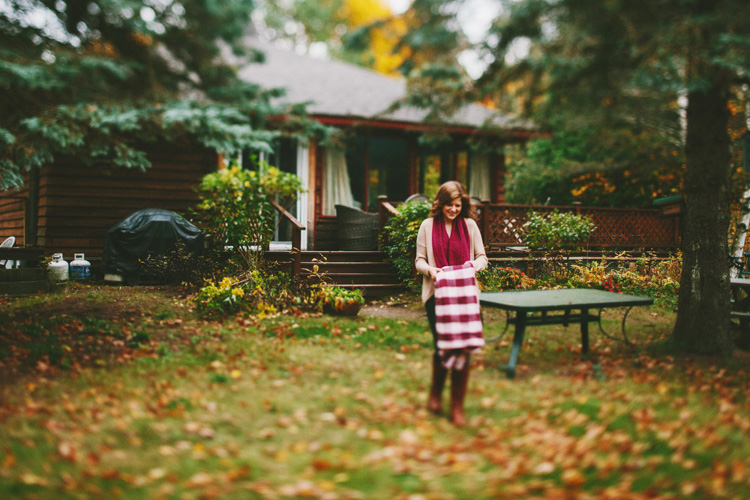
x=429, y=309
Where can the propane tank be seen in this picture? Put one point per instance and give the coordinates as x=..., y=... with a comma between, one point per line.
x=57, y=270
x=80, y=268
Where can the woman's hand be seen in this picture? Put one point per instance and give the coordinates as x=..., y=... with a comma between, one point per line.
x=433, y=272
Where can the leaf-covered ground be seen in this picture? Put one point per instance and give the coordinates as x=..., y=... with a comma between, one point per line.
x=111, y=392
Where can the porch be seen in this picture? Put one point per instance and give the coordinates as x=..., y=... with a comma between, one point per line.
x=621, y=235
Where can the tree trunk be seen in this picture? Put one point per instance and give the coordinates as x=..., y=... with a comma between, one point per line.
x=703, y=303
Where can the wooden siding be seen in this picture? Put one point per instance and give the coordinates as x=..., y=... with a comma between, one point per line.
x=77, y=205
x=13, y=212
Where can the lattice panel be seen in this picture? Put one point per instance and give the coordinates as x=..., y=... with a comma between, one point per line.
x=506, y=226
x=631, y=229
x=621, y=228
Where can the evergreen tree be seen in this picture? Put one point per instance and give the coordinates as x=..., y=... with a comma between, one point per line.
x=628, y=62
x=666, y=67
x=97, y=80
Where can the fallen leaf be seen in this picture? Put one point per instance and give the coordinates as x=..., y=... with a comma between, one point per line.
x=199, y=480
x=573, y=477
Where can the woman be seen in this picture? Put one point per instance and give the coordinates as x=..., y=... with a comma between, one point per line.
x=448, y=237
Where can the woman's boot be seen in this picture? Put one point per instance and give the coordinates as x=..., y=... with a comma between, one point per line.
x=459, y=383
x=439, y=374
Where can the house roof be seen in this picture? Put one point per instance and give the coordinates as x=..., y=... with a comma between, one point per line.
x=338, y=89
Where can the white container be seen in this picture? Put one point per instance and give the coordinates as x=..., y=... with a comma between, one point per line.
x=80, y=268
x=57, y=270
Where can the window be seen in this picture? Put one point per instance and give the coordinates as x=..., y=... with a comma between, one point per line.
x=375, y=166
x=436, y=166
x=448, y=161
x=389, y=170
x=283, y=157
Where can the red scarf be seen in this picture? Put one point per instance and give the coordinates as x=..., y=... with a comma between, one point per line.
x=450, y=250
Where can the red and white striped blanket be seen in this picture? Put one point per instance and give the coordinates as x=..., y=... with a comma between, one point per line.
x=457, y=314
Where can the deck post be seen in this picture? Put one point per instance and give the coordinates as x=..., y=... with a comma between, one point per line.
x=382, y=213
x=296, y=251
x=486, y=222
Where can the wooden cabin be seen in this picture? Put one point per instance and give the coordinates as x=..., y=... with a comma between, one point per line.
x=381, y=152
x=68, y=208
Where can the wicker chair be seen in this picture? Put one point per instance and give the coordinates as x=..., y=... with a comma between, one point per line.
x=356, y=230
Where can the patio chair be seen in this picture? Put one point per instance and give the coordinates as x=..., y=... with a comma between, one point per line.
x=417, y=197
x=356, y=230
x=8, y=243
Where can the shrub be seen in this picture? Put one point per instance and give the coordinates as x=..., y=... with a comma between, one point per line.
x=399, y=238
x=334, y=298
x=658, y=279
x=182, y=267
x=557, y=235
x=259, y=292
x=497, y=278
x=593, y=275
x=236, y=208
x=557, y=231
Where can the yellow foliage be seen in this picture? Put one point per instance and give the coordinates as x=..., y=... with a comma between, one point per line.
x=357, y=13
x=590, y=181
x=361, y=12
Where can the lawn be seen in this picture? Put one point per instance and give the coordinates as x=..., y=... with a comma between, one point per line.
x=110, y=392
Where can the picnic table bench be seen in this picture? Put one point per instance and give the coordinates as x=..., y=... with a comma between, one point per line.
x=557, y=307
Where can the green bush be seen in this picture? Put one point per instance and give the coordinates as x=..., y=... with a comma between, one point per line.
x=399, y=238
x=236, y=208
x=557, y=235
x=658, y=279
x=557, y=231
x=593, y=275
x=182, y=267
x=259, y=292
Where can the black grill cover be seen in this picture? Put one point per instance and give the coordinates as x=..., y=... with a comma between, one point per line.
x=151, y=231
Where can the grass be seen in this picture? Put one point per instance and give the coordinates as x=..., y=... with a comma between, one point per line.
x=126, y=393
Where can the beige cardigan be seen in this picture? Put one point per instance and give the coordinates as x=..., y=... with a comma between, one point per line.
x=425, y=259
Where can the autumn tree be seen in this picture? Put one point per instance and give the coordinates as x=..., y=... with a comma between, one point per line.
x=332, y=22
x=96, y=80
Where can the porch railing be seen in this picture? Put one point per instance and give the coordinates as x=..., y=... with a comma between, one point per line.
x=616, y=228
x=297, y=229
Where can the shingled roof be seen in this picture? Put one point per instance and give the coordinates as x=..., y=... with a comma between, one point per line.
x=338, y=89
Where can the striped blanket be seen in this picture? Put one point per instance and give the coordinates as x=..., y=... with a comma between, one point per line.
x=457, y=314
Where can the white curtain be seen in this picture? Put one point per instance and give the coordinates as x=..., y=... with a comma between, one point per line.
x=337, y=189
x=479, y=176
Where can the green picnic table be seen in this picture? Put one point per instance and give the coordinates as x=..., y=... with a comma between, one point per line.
x=557, y=307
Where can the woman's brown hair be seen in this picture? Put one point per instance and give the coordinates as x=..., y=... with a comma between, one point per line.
x=448, y=192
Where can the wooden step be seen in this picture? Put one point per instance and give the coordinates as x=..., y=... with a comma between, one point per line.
x=360, y=278
x=350, y=267
x=340, y=256
x=370, y=272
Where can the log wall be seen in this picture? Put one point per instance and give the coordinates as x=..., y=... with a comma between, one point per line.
x=77, y=204
x=13, y=212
